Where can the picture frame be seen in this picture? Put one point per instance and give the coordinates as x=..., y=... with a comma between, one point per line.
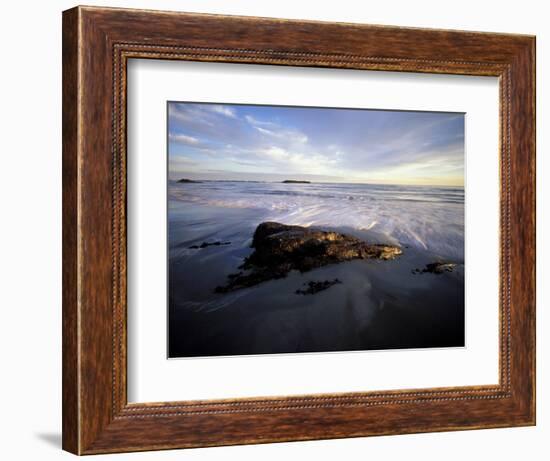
x=97, y=45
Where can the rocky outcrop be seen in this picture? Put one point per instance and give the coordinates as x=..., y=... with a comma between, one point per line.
x=185, y=180
x=208, y=244
x=280, y=248
x=436, y=268
x=295, y=181
x=315, y=287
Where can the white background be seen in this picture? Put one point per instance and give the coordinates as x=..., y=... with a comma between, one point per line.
x=153, y=378
x=30, y=251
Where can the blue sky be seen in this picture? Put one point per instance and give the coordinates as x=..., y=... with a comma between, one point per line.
x=272, y=143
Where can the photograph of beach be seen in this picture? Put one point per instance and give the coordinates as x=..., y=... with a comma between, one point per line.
x=313, y=229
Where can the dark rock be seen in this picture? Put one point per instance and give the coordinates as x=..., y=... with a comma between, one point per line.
x=315, y=287
x=185, y=180
x=208, y=244
x=294, y=181
x=280, y=248
x=436, y=268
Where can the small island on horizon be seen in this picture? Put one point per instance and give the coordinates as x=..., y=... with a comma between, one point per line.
x=185, y=180
x=295, y=181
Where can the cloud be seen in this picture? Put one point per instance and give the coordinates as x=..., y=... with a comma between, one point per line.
x=223, y=110
x=276, y=153
x=265, y=131
x=256, y=122
x=183, y=113
x=181, y=163
x=290, y=136
x=183, y=139
x=276, y=131
x=300, y=162
x=213, y=124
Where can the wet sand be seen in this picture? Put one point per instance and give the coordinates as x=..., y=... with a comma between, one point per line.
x=377, y=305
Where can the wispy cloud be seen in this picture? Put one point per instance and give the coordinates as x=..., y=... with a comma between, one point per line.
x=272, y=129
x=223, y=110
x=183, y=139
x=289, y=135
x=256, y=122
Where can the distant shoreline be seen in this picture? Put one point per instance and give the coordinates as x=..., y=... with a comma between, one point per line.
x=199, y=181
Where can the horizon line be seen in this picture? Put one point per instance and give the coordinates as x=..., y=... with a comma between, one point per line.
x=317, y=182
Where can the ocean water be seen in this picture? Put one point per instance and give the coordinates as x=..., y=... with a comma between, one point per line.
x=429, y=218
x=378, y=305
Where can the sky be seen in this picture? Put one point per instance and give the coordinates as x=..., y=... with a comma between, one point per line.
x=274, y=143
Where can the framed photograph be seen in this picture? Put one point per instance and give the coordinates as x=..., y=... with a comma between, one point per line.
x=281, y=230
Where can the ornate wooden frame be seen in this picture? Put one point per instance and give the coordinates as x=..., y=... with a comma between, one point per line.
x=97, y=43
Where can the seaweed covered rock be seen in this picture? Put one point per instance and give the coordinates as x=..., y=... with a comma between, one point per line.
x=280, y=248
x=436, y=268
x=208, y=244
x=314, y=287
